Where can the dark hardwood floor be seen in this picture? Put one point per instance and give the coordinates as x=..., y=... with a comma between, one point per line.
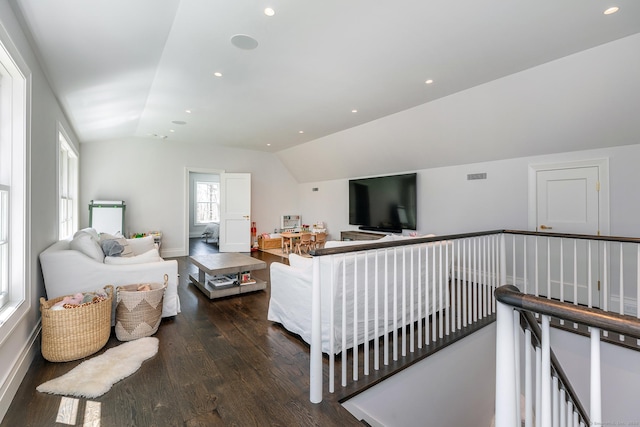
x=220, y=363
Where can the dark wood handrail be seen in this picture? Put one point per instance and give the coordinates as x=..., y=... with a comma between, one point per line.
x=419, y=240
x=605, y=320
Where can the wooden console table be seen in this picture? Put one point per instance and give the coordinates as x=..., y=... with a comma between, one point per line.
x=360, y=235
x=226, y=263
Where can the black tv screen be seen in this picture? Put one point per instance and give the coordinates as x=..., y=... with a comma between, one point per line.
x=385, y=203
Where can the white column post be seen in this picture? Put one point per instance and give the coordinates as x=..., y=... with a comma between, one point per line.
x=315, y=353
x=505, y=368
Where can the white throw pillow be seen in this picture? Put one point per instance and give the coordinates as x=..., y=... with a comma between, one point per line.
x=298, y=261
x=88, y=245
x=90, y=231
x=141, y=245
x=149, y=256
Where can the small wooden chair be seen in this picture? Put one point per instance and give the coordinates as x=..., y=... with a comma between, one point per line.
x=304, y=242
x=286, y=245
x=321, y=239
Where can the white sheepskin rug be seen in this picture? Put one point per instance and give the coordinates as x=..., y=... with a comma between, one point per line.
x=96, y=376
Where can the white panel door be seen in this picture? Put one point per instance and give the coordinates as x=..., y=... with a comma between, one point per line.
x=568, y=200
x=235, y=212
x=568, y=203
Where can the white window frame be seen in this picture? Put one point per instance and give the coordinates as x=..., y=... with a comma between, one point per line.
x=197, y=203
x=15, y=107
x=67, y=185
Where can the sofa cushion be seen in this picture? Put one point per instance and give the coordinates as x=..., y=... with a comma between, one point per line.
x=85, y=243
x=141, y=245
x=149, y=256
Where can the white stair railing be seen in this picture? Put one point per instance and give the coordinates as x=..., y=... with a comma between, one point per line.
x=395, y=298
x=555, y=402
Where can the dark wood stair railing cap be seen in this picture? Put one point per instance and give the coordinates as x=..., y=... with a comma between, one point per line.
x=595, y=317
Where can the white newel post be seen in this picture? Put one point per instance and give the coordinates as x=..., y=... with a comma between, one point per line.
x=315, y=362
x=505, y=368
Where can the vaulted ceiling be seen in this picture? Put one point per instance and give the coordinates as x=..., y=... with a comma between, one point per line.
x=224, y=72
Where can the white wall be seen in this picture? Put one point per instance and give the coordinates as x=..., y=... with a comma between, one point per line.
x=453, y=387
x=150, y=176
x=18, y=349
x=448, y=203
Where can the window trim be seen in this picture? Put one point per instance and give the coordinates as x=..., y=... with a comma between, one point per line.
x=64, y=142
x=16, y=138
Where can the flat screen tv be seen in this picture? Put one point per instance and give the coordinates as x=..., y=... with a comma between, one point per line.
x=384, y=203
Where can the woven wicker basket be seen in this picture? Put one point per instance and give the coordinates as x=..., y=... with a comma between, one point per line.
x=138, y=313
x=74, y=333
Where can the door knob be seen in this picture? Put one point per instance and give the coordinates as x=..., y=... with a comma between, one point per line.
x=544, y=227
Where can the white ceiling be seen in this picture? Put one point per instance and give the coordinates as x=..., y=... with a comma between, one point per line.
x=130, y=68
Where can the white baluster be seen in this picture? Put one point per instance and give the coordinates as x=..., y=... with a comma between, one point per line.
x=344, y=321
x=376, y=313
x=549, y=267
x=365, y=347
x=395, y=303
x=595, y=383
x=354, y=337
x=315, y=352
x=563, y=408
x=621, y=284
x=458, y=287
x=528, y=380
x=546, y=374
x=332, y=323
x=538, y=404
x=516, y=358
x=404, y=301
x=535, y=266
x=575, y=276
x=386, y=306
x=420, y=299
x=589, y=277
x=440, y=293
x=562, y=272
x=554, y=403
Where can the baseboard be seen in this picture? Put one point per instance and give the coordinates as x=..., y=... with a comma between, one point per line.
x=19, y=370
x=172, y=253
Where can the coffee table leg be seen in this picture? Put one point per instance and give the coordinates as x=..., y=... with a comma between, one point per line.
x=201, y=276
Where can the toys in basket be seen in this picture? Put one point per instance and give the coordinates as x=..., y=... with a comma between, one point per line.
x=76, y=326
x=139, y=309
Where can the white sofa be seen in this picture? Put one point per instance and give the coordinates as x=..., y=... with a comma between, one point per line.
x=79, y=265
x=291, y=286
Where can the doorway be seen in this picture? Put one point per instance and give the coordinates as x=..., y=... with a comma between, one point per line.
x=197, y=223
x=570, y=198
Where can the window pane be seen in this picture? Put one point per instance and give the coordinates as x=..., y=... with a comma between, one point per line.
x=207, y=202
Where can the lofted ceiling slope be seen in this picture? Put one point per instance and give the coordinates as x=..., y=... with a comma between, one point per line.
x=123, y=68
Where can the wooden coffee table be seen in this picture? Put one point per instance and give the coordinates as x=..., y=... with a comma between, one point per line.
x=222, y=264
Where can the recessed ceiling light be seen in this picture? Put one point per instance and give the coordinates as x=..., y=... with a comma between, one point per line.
x=268, y=145
x=179, y=122
x=300, y=131
x=354, y=111
x=187, y=111
x=217, y=74
x=611, y=10
x=429, y=81
x=269, y=11
x=171, y=130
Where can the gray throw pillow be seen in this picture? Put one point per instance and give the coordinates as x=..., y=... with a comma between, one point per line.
x=111, y=247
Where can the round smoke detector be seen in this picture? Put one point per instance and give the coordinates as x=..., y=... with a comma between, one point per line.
x=243, y=41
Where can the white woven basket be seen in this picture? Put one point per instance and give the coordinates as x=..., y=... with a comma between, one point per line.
x=138, y=313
